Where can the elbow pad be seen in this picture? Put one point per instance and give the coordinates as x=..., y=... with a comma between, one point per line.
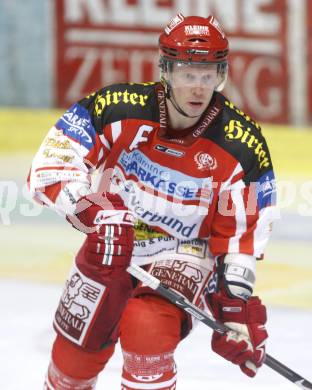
x=239, y=275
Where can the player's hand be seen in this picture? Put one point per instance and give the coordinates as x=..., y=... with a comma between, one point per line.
x=247, y=347
x=109, y=228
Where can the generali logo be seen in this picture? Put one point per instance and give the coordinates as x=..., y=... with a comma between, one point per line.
x=180, y=276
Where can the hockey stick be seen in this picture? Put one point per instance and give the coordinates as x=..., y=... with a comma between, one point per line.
x=181, y=302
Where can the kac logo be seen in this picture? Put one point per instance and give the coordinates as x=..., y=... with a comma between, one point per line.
x=205, y=162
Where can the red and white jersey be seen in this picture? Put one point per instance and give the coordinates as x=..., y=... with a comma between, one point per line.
x=213, y=181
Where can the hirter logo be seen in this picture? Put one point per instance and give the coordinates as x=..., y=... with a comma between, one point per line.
x=205, y=162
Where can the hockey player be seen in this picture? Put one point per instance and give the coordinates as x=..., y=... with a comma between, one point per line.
x=186, y=189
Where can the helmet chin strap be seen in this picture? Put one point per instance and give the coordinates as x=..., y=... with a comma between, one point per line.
x=170, y=96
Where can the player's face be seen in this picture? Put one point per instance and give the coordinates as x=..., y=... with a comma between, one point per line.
x=193, y=86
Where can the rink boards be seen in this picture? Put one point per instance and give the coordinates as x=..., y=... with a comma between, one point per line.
x=37, y=245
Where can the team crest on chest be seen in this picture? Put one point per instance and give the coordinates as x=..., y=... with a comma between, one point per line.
x=205, y=162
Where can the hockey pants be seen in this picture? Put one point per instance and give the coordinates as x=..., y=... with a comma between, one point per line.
x=150, y=330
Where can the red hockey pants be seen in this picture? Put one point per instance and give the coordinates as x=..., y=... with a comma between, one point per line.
x=150, y=330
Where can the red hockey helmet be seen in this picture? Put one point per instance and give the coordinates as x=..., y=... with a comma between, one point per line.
x=194, y=40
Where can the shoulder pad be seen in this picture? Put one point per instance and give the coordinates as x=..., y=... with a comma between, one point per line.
x=121, y=101
x=241, y=137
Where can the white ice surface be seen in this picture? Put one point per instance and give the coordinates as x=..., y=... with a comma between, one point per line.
x=26, y=337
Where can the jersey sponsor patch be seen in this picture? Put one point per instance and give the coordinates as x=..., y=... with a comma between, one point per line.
x=116, y=97
x=163, y=179
x=174, y=217
x=236, y=131
x=170, y=151
x=76, y=124
x=266, y=190
x=196, y=247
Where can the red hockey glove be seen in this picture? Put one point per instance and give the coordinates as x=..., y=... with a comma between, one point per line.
x=109, y=227
x=247, y=349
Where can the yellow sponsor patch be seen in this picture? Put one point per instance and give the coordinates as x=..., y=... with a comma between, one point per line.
x=117, y=97
x=236, y=131
x=54, y=143
x=144, y=232
x=64, y=157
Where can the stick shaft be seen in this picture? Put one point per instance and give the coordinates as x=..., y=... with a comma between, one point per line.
x=190, y=308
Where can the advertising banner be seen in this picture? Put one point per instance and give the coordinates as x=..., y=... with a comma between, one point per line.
x=102, y=42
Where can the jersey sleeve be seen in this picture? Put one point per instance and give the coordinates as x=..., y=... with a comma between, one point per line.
x=73, y=148
x=246, y=207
